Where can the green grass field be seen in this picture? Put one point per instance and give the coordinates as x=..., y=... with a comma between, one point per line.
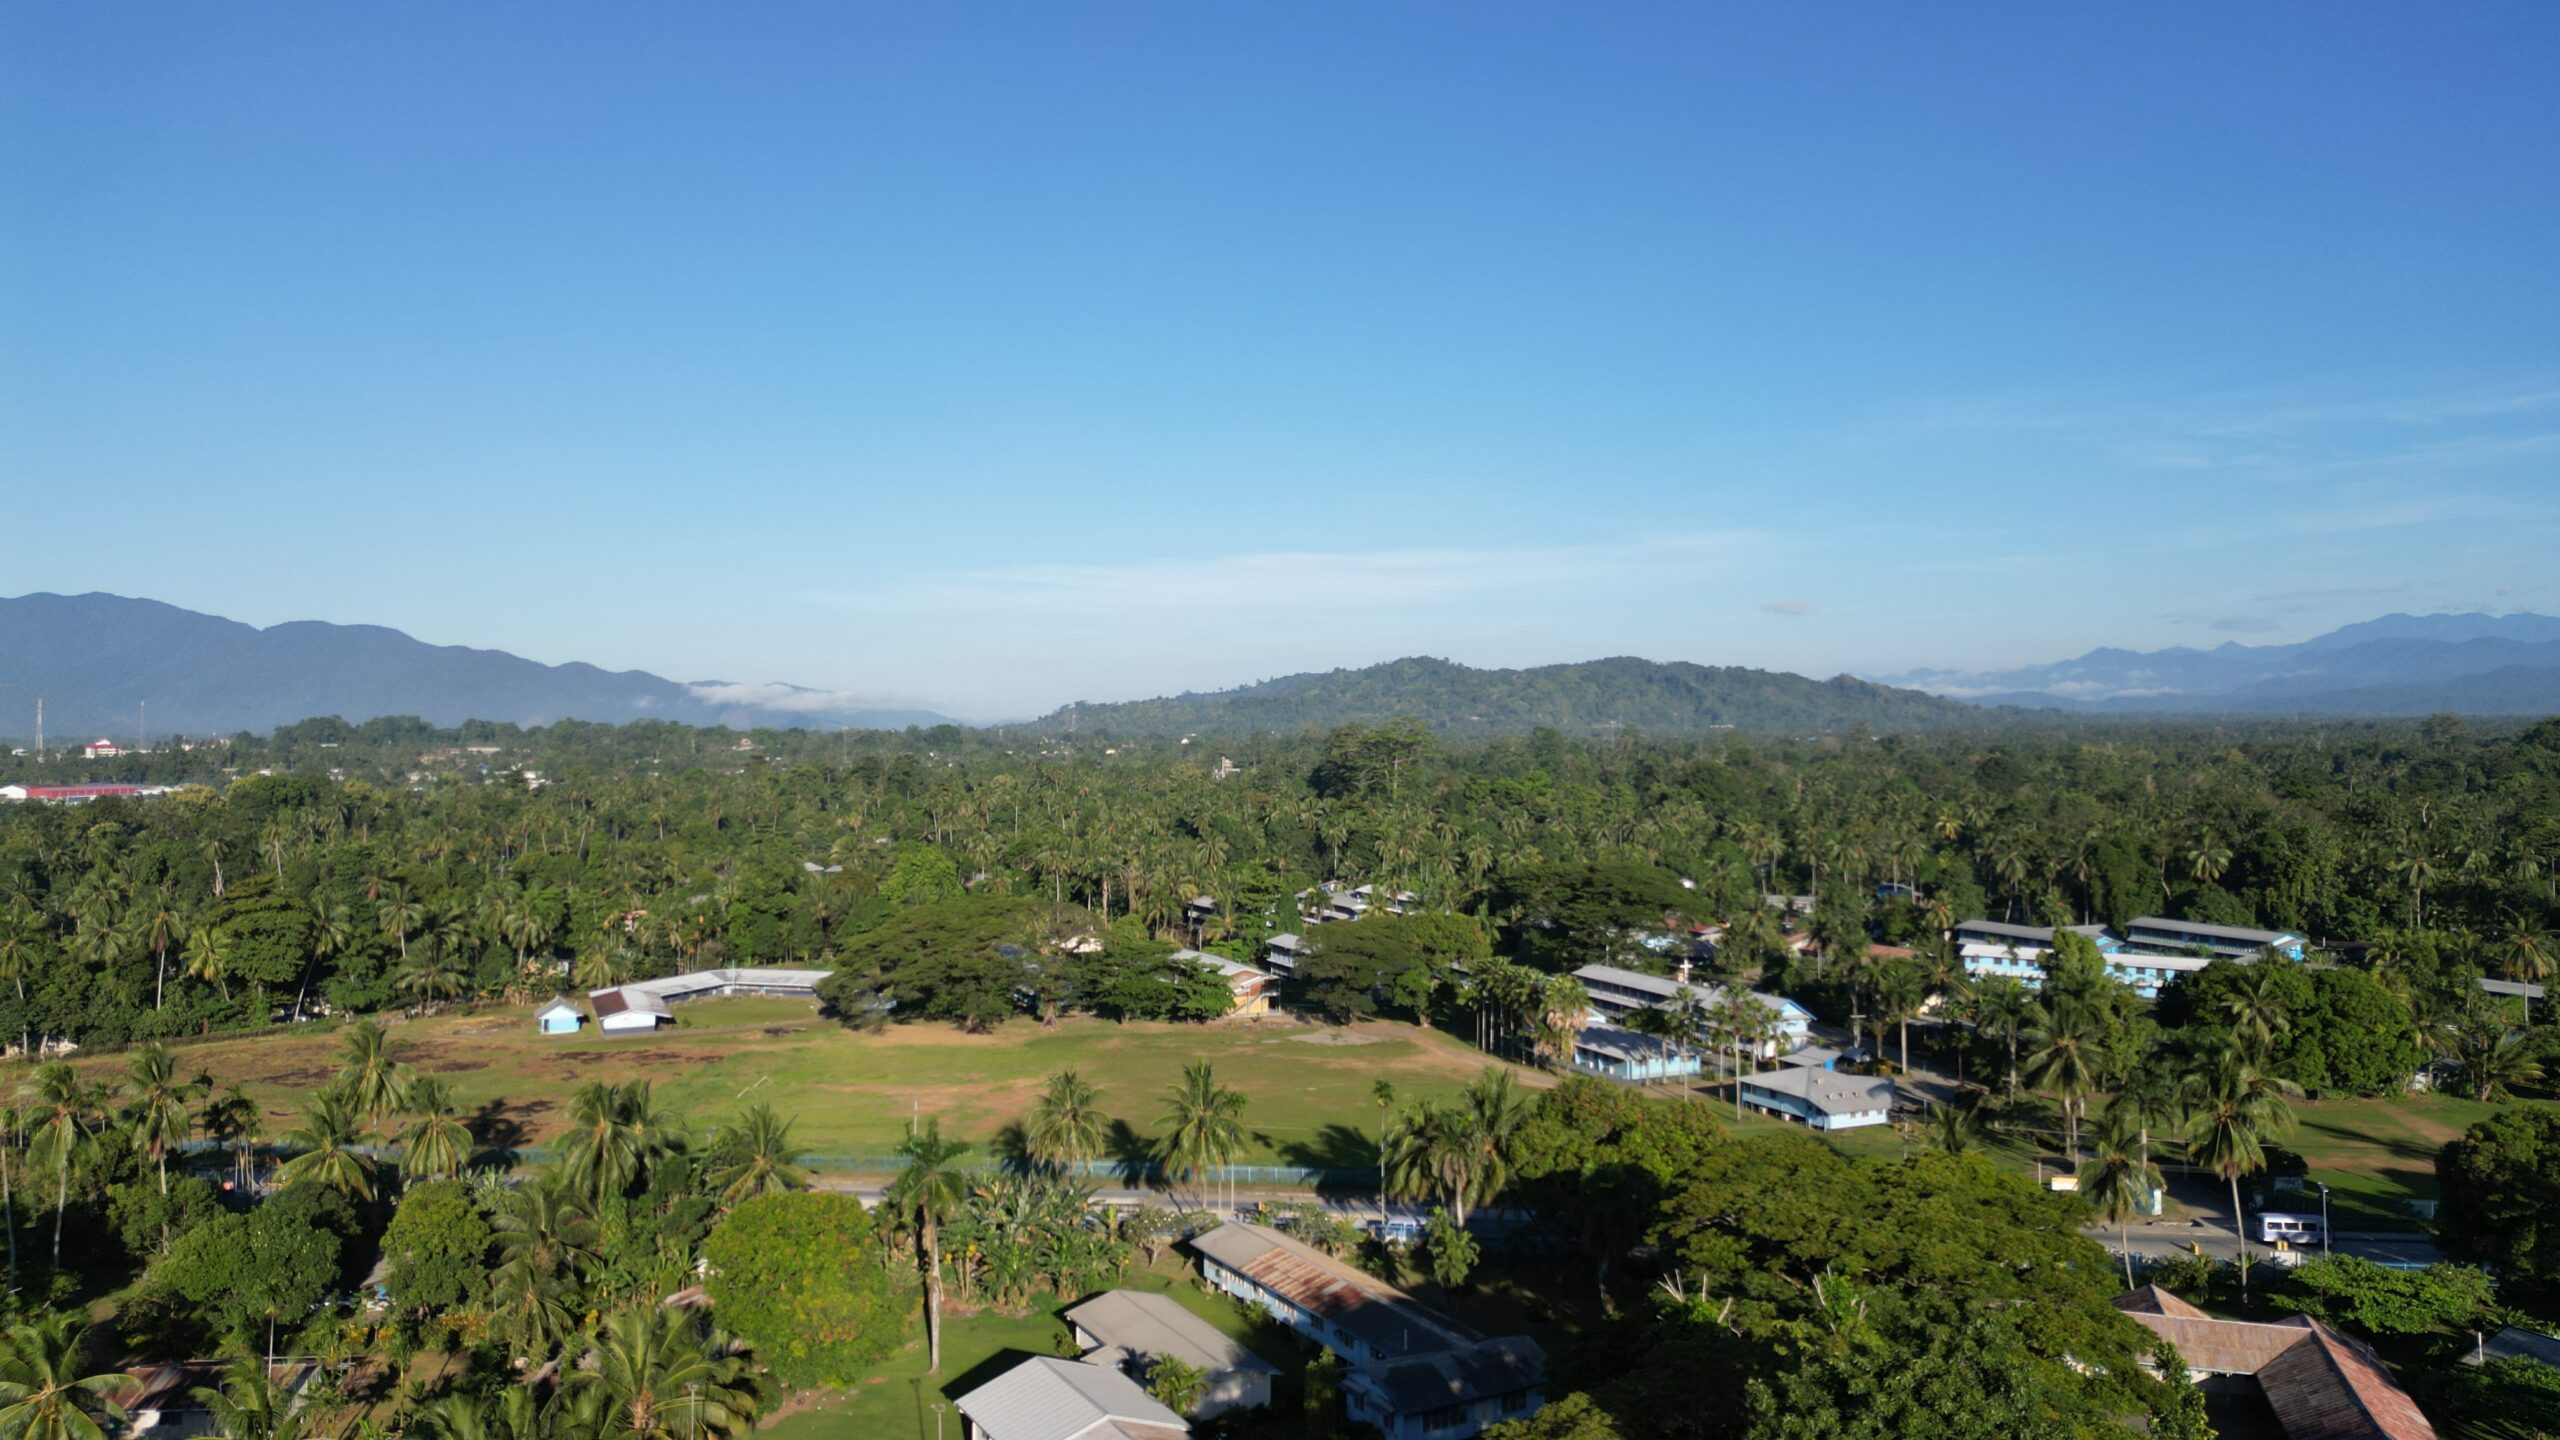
x=2377, y=1154
x=851, y=1093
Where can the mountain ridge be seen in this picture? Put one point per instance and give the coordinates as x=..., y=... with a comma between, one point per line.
x=95, y=658
x=2395, y=664
x=1670, y=697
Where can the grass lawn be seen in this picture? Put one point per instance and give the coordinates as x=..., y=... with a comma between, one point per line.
x=851, y=1093
x=2377, y=1154
x=896, y=1401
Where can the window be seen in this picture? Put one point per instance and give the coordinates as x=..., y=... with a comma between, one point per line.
x=1444, y=1417
x=1514, y=1401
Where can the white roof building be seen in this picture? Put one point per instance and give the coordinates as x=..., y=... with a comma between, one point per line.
x=1047, y=1399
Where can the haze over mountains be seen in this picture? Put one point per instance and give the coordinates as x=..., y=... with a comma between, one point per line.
x=2396, y=665
x=94, y=659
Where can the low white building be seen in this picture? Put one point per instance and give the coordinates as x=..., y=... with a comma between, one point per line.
x=1049, y=1399
x=620, y=1011
x=1822, y=1099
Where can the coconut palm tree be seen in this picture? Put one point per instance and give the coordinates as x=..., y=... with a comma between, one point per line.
x=545, y=1227
x=159, y=1105
x=655, y=1374
x=2118, y=1183
x=1900, y=990
x=60, y=1112
x=2007, y=1007
x=436, y=1143
x=2234, y=1111
x=927, y=1193
x=249, y=1405
x=373, y=1080
x=327, y=1146
x=1562, y=1004
x=1496, y=1109
x=762, y=1160
x=43, y=1394
x=2065, y=1058
x=2526, y=957
x=207, y=957
x=430, y=978
x=2256, y=1011
x=1067, y=1126
x=1952, y=1128
x=1204, y=1123
x=1433, y=1150
x=512, y=1414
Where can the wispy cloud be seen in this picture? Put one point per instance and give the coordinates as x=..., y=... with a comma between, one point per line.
x=1789, y=608
x=790, y=699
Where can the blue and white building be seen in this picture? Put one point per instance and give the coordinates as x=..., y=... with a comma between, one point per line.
x=2145, y=975
x=1408, y=1370
x=2157, y=934
x=1615, y=1054
x=1615, y=992
x=560, y=1017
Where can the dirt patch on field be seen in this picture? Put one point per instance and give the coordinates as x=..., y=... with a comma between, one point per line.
x=1335, y=1037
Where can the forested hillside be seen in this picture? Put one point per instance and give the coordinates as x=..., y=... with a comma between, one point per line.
x=1594, y=697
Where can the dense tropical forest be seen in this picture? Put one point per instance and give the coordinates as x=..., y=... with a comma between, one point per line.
x=957, y=877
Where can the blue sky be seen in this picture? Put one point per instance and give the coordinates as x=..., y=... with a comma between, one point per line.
x=993, y=356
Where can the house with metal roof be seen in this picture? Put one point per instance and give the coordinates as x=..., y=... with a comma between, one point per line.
x=2160, y=934
x=1049, y=1399
x=1615, y=992
x=1129, y=1330
x=627, y=1008
x=559, y=1018
x=1822, y=1099
x=1251, y=987
x=1617, y=1054
x=1408, y=1370
x=1281, y=953
x=2317, y=1383
x=643, y=1004
x=2002, y=932
x=2516, y=1343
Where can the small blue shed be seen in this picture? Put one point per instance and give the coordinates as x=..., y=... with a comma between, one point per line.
x=560, y=1018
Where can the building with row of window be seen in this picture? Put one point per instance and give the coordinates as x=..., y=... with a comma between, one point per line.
x=2153, y=952
x=1616, y=993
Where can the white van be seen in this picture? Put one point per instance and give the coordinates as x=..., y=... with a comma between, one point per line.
x=2298, y=1230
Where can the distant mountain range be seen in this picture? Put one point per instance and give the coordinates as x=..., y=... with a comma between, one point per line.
x=1579, y=699
x=2397, y=665
x=94, y=659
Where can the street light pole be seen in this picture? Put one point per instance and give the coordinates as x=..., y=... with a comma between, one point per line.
x=2324, y=1220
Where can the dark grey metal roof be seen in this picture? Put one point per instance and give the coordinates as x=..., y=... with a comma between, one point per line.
x=2241, y=934
x=1419, y=1383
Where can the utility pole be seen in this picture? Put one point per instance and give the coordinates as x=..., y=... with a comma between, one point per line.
x=39, y=727
x=142, y=740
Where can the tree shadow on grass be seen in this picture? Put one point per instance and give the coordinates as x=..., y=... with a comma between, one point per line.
x=1132, y=1155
